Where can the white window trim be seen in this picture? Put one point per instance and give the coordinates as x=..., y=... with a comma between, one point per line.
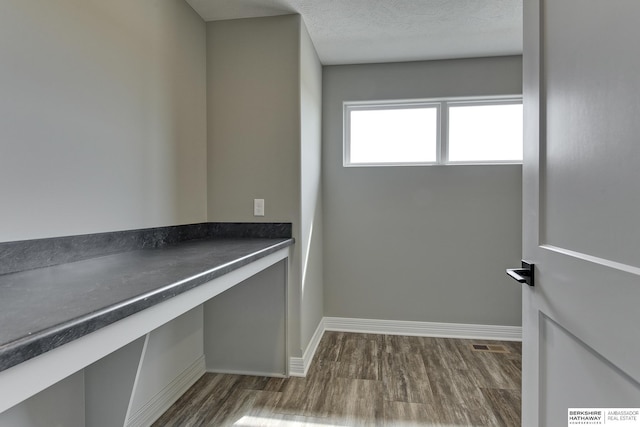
x=348, y=107
x=442, y=138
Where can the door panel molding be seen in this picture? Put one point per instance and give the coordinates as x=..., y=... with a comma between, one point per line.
x=586, y=95
x=593, y=259
x=546, y=322
x=566, y=356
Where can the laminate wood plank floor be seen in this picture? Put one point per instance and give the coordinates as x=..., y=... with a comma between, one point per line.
x=368, y=380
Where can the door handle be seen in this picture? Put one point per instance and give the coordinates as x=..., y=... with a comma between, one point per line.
x=524, y=274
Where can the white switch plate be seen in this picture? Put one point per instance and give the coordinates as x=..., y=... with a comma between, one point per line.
x=258, y=207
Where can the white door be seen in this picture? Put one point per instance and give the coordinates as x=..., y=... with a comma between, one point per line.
x=581, y=213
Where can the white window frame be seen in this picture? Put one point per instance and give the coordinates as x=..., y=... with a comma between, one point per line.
x=442, y=139
x=348, y=107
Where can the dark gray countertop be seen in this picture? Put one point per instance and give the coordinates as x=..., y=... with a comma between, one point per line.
x=44, y=308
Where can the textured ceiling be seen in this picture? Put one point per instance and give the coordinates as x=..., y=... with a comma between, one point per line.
x=359, y=31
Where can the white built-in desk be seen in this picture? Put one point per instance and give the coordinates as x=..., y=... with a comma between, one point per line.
x=99, y=317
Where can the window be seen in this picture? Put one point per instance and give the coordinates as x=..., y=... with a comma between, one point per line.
x=450, y=131
x=400, y=133
x=485, y=132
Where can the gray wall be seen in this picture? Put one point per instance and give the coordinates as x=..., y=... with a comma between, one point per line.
x=61, y=405
x=420, y=243
x=245, y=326
x=264, y=108
x=253, y=118
x=102, y=116
x=311, y=304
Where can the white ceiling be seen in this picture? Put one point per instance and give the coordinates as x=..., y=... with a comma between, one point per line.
x=361, y=31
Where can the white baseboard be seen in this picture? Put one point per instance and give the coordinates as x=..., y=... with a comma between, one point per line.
x=157, y=406
x=251, y=373
x=424, y=329
x=299, y=366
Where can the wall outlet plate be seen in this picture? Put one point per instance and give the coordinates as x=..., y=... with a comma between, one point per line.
x=258, y=207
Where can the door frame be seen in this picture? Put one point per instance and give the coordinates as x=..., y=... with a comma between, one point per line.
x=532, y=92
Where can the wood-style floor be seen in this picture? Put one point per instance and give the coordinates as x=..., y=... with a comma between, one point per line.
x=368, y=380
